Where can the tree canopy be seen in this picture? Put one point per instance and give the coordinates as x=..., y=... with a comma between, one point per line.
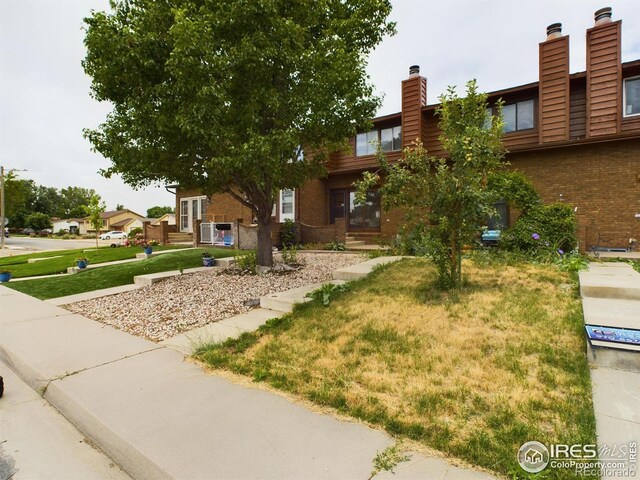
x=158, y=211
x=246, y=97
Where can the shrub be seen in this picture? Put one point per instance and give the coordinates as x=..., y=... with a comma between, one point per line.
x=288, y=233
x=544, y=229
x=134, y=232
x=38, y=221
x=335, y=246
x=247, y=262
x=289, y=255
x=62, y=232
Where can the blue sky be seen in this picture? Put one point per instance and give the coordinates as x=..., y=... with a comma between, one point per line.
x=44, y=93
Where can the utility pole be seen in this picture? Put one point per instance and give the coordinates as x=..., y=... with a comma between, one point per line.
x=2, y=220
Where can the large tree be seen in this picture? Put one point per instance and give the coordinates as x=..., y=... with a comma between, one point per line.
x=74, y=200
x=224, y=95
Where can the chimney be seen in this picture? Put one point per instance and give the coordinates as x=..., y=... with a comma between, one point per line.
x=604, y=75
x=553, y=99
x=414, y=97
x=602, y=16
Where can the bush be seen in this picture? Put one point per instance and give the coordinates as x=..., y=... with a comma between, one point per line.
x=247, y=262
x=335, y=246
x=62, y=232
x=288, y=233
x=544, y=229
x=38, y=221
x=290, y=255
x=134, y=232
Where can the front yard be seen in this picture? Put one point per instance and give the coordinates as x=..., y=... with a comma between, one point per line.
x=113, y=275
x=473, y=375
x=58, y=261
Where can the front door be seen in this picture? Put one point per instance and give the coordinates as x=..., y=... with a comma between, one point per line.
x=358, y=217
x=191, y=209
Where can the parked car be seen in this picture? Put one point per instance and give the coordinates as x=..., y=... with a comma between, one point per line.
x=28, y=231
x=113, y=234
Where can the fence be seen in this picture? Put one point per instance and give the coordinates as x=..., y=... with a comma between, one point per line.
x=218, y=233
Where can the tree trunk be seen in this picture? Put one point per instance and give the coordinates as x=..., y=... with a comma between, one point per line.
x=264, y=249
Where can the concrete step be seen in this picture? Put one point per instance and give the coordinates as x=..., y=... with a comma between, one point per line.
x=354, y=272
x=284, y=301
x=151, y=278
x=613, y=280
x=180, y=237
x=354, y=243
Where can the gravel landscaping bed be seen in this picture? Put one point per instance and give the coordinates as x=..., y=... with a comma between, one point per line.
x=183, y=303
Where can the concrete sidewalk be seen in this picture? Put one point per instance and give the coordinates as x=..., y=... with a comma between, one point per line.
x=158, y=416
x=611, y=298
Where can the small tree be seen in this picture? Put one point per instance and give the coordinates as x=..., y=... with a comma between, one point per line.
x=38, y=221
x=446, y=199
x=93, y=210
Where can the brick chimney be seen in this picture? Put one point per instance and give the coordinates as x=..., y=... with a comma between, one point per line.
x=604, y=75
x=553, y=110
x=414, y=97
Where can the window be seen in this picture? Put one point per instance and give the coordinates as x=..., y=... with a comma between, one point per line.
x=287, y=205
x=390, y=140
x=518, y=116
x=184, y=215
x=632, y=97
x=366, y=143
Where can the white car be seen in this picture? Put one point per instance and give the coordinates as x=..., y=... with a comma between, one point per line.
x=113, y=234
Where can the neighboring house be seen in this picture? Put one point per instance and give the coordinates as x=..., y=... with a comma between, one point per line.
x=129, y=223
x=575, y=136
x=71, y=225
x=170, y=218
x=122, y=220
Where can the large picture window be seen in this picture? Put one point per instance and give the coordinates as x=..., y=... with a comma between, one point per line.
x=632, y=97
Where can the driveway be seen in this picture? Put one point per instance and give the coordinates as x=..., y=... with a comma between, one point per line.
x=15, y=245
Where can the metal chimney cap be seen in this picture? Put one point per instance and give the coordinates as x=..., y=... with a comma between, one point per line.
x=602, y=16
x=554, y=31
x=414, y=70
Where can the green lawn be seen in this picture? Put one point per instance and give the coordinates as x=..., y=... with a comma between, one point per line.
x=19, y=267
x=113, y=275
x=473, y=374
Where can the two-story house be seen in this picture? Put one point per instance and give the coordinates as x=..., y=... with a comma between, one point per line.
x=575, y=136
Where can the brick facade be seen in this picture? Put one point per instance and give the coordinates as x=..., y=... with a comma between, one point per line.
x=601, y=180
x=571, y=113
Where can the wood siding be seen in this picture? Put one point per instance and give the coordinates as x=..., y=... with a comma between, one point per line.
x=604, y=80
x=553, y=125
x=578, y=111
x=414, y=97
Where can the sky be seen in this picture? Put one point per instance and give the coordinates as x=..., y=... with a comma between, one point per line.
x=44, y=93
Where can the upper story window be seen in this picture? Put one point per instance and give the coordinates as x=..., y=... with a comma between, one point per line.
x=390, y=140
x=518, y=116
x=632, y=97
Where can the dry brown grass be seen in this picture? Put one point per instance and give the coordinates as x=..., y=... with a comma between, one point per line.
x=474, y=374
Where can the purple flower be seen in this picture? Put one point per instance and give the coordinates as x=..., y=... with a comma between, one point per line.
x=535, y=236
x=561, y=251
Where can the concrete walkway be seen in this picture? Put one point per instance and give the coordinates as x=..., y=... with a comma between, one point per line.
x=611, y=299
x=158, y=416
